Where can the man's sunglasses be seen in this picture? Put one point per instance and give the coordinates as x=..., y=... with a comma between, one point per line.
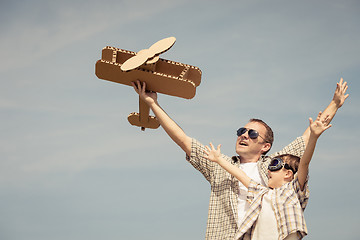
x=277, y=164
x=253, y=134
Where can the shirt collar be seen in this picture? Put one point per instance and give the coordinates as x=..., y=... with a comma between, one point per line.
x=237, y=158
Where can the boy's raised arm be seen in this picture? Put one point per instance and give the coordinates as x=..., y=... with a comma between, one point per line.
x=214, y=155
x=338, y=100
x=316, y=127
x=169, y=125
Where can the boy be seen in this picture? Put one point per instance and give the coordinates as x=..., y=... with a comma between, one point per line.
x=276, y=212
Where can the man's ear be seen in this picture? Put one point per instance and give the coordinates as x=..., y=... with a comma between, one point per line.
x=266, y=147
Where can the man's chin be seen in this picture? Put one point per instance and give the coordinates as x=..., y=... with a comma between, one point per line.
x=240, y=151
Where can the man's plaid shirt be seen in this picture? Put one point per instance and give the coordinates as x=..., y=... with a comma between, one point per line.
x=222, y=216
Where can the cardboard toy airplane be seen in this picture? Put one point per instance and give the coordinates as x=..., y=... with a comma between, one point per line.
x=161, y=75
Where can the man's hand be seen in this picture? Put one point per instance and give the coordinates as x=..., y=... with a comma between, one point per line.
x=338, y=100
x=146, y=96
x=318, y=126
x=213, y=154
x=340, y=93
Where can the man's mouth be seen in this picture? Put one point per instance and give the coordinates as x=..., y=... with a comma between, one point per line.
x=243, y=143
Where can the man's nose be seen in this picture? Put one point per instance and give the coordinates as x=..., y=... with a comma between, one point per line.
x=244, y=135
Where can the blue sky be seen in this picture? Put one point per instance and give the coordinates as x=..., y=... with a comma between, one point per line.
x=72, y=167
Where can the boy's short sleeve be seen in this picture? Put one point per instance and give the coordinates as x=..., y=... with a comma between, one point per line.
x=303, y=195
x=199, y=162
x=254, y=189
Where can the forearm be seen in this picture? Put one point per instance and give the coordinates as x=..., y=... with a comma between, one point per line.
x=235, y=171
x=171, y=128
x=337, y=101
x=305, y=161
x=328, y=112
x=309, y=151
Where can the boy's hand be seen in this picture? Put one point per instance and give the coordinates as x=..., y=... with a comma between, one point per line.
x=318, y=126
x=213, y=154
x=340, y=91
x=146, y=96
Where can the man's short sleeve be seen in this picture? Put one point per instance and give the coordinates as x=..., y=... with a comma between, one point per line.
x=296, y=148
x=197, y=159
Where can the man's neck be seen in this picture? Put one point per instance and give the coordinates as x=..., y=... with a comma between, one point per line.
x=249, y=159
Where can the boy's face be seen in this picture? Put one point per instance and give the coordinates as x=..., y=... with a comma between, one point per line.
x=279, y=177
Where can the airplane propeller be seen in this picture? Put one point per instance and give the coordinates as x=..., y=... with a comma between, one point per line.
x=144, y=55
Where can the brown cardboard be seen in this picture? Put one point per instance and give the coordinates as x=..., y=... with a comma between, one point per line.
x=161, y=75
x=149, y=55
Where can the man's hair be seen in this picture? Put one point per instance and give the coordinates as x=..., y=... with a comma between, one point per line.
x=269, y=135
x=292, y=160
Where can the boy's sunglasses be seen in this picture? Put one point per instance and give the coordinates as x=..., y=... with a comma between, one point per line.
x=277, y=164
x=253, y=134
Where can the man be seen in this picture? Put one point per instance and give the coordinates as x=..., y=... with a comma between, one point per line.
x=228, y=196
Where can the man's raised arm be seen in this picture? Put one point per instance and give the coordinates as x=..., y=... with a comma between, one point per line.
x=338, y=100
x=169, y=125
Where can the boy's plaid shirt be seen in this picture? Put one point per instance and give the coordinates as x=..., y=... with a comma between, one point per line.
x=222, y=216
x=288, y=202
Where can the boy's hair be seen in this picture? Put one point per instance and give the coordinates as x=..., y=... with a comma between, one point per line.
x=269, y=135
x=292, y=160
